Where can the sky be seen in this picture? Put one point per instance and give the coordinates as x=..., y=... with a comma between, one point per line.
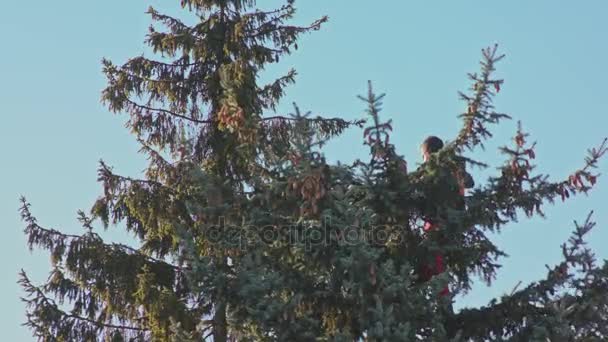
x=54, y=130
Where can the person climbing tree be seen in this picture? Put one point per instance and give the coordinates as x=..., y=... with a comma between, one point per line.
x=433, y=144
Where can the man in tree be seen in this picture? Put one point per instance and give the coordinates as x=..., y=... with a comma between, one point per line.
x=200, y=116
x=431, y=145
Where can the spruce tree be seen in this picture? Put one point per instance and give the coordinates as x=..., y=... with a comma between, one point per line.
x=243, y=231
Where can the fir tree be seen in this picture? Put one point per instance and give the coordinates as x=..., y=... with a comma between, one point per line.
x=245, y=232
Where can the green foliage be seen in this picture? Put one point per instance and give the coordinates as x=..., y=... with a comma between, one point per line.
x=247, y=233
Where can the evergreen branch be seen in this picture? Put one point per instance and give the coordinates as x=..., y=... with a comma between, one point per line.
x=265, y=31
x=164, y=64
x=41, y=298
x=152, y=81
x=283, y=118
x=271, y=12
x=174, y=24
x=479, y=108
x=37, y=234
x=574, y=183
x=516, y=188
x=378, y=135
x=317, y=119
x=509, y=316
x=595, y=154
x=272, y=92
x=166, y=111
x=106, y=172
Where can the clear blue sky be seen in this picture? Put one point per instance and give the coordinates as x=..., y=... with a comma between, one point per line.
x=54, y=130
